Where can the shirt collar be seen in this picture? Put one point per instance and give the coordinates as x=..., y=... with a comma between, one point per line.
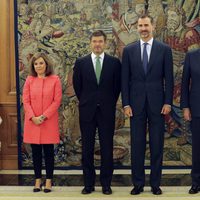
x=101, y=56
x=150, y=42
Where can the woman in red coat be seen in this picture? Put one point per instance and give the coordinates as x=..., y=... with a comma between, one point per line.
x=42, y=95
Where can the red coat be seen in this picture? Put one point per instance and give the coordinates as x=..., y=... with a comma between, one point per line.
x=42, y=96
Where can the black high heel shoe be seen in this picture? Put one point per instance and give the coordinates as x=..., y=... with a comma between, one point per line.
x=47, y=190
x=38, y=189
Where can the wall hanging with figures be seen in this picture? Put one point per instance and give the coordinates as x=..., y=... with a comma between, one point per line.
x=61, y=28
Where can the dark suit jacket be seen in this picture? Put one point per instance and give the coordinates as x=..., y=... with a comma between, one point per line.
x=190, y=89
x=90, y=94
x=156, y=85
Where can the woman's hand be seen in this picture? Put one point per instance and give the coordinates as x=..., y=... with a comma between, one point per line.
x=37, y=120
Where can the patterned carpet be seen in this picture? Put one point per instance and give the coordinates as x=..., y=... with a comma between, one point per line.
x=73, y=193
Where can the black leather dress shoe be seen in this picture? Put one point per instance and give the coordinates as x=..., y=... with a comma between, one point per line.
x=156, y=190
x=194, y=189
x=87, y=190
x=106, y=190
x=137, y=190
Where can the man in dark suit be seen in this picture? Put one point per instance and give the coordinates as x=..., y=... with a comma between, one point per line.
x=147, y=90
x=97, y=84
x=190, y=98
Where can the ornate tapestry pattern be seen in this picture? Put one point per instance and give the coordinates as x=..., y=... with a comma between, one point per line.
x=62, y=28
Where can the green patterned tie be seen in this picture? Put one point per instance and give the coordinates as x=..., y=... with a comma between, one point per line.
x=98, y=68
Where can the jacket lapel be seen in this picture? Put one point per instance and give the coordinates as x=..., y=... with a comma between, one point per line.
x=154, y=53
x=137, y=55
x=199, y=53
x=91, y=68
x=104, y=67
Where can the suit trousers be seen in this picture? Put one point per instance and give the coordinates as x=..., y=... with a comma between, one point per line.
x=140, y=123
x=48, y=157
x=195, y=128
x=105, y=129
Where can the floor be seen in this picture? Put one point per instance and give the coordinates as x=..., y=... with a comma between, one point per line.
x=18, y=185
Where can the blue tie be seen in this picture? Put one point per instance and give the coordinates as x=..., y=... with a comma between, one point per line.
x=145, y=58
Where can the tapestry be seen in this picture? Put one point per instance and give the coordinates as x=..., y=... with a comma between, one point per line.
x=61, y=28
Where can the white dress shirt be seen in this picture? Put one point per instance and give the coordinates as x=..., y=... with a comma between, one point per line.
x=94, y=57
x=149, y=46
